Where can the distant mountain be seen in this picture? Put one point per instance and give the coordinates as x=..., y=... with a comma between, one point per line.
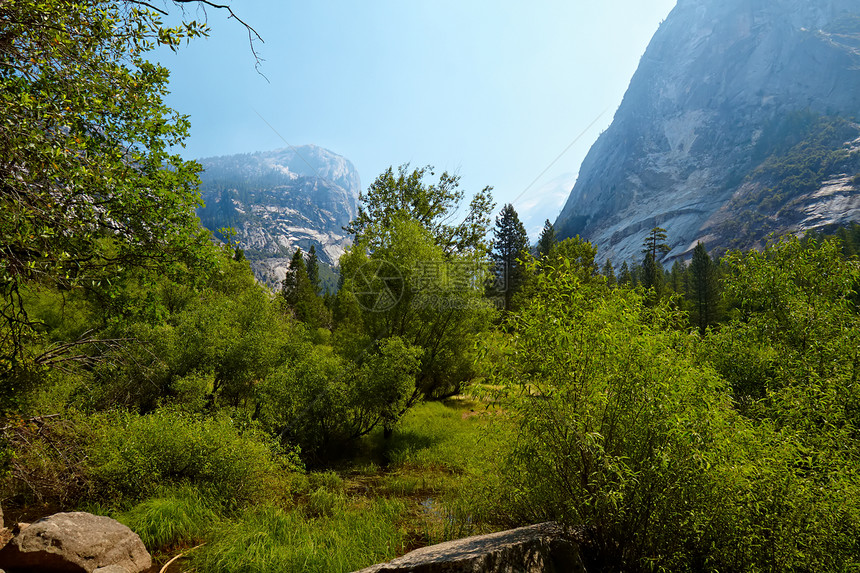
x=739, y=122
x=279, y=201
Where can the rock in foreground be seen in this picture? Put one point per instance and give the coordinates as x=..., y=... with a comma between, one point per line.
x=75, y=543
x=541, y=548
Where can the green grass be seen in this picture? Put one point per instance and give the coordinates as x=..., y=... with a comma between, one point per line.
x=273, y=540
x=181, y=517
x=416, y=488
x=438, y=462
x=448, y=436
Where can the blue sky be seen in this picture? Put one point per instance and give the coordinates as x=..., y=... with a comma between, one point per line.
x=494, y=91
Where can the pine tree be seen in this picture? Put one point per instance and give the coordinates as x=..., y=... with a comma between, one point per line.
x=609, y=273
x=625, y=277
x=296, y=277
x=546, y=240
x=652, y=277
x=677, y=277
x=703, y=289
x=301, y=296
x=510, y=243
x=314, y=269
x=655, y=244
x=635, y=274
x=654, y=247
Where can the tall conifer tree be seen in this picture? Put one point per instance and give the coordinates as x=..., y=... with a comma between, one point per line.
x=703, y=289
x=510, y=243
x=609, y=273
x=546, y=240
x=654, y=248
x=313, y=267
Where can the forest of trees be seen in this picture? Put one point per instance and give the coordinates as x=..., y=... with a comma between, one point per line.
x=704, y=417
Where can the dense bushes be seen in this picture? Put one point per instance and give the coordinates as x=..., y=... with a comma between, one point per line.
x=616, y=421
x=733, y=452
x=318, y=398
x=117, y=458
x=131, y=456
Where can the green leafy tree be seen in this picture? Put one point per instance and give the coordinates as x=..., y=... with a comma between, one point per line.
x=406, y=195
x=510, y=245
x=411, y=275
x=410, y=288
x=574, y=254
x=611, y=417
x=209, y=350
x=797, y=321
x=318, y=399
x=88, y=183
x=734, y=452
x=790, y=354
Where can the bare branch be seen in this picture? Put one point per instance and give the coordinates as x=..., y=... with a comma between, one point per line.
x=148, y=5
x=34, y=420
x=252, y=33
x=61, y=353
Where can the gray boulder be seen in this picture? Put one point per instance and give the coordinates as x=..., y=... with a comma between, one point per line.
x=75, y=543
x=541, y=548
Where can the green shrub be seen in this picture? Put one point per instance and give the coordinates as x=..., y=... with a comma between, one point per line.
x=614, y=420
x=627, y=433
x=319, y=400
x=328, y=480
x=131, y=456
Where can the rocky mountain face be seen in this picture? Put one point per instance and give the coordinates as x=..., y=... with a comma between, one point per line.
x=739, y=122
x=279, y=201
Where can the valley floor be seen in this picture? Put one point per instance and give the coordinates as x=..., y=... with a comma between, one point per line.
x=385, y=499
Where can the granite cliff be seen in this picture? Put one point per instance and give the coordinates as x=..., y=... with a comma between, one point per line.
x=279, y=201
x=739, y=122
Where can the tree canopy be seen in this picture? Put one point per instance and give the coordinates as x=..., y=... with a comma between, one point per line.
x=434, y=206
x=89, y=184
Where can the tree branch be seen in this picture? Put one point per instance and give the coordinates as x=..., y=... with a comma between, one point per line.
x=148, y=5
x=252, y=33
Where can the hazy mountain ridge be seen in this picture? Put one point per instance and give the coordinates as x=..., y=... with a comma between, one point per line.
x=279, y=201
x=720, y=90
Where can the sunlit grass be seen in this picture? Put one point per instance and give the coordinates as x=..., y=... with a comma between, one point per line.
x=416, y=488
x=437, y=461
x=176, y=517
x=447, y=435
x=272, y=540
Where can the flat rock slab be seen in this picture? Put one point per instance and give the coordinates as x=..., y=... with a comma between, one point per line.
x=541, y=548
x=75, y=543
